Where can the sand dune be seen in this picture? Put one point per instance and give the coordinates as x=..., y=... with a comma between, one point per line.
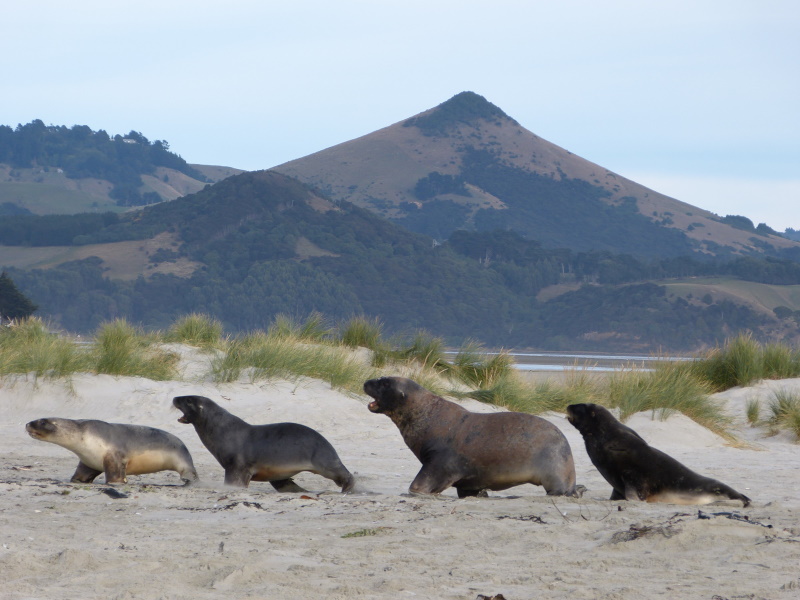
x=61, y=540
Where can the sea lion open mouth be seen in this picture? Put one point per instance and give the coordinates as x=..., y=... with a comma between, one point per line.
x=373, y=406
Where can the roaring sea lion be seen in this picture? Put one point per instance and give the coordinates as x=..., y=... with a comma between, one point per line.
x=115, y=449
x=473, y=452
x=636, y=470
x=272, y=453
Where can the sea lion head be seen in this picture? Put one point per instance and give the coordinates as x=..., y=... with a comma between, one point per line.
x=390, y=393
x=52, y=429
x=592, y=419
x=582, y=416
x=192, y=407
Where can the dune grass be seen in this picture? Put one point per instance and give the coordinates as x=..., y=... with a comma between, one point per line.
x=269, y=356
x=785, y=408
x=29, y=348
x=743, y=360
x=312, y=348
x=315, y=328
x=753, y=411
x=196, y=330
x=121, y=349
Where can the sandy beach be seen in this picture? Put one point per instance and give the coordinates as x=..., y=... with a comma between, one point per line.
x=162, y=540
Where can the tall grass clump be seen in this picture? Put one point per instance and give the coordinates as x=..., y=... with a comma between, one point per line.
x=785, y=408
x=474, y=366
x=28, y=347
x=742, y=361
x=738, y=362
x=314, y=328
x=120, y=349
x=670, y=387
x=512, y=391
x=780, y=361
x=425, y=349
x=196, y=330
x=753, y=411
x=269, y=356
x=365, y=332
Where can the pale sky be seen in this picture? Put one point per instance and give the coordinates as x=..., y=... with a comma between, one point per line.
x=696, y=99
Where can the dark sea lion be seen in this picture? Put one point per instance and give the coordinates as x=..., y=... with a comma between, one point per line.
x=636, y=470
x=115, y=449
x=272, y=453
x=473, y=452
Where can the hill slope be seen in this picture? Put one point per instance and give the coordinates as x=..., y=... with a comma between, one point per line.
x=467, y=165
x=59, y=170
x=259, y=244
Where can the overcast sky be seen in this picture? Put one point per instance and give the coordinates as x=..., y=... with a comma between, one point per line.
x=697, y=99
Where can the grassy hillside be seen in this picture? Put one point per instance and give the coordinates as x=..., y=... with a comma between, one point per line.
x=762, y=297
x=423, y=173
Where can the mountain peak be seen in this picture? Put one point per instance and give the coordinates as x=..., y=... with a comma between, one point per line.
x=466, y=107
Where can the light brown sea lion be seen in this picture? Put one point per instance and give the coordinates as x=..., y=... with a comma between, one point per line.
x=115, y=449
x=473, y=452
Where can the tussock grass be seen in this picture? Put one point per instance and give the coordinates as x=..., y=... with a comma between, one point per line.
x=425, y=349
x=780, y=361
x=314, y=328
x=474, y=366
x=785, y=408
x=742, y=361
x=668, y=388
x=268, y=356
x=753, y=411
x=196, y=330
x=28, y=347
x=121, y=349
x=362, y=331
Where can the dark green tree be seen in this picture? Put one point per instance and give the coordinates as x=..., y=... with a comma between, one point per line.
x=13, y=303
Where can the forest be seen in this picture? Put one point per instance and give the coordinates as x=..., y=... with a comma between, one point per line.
x=81, y=152
x=245, y=231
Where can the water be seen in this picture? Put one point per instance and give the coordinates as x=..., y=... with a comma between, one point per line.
x=585, y=361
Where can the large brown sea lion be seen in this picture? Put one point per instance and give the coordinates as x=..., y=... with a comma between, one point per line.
x=272, y=453
x=473, y=452
x=636, y=470
x=115, y=449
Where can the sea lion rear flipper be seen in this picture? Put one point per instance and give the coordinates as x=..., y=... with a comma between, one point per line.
x=634, y=492
x=286, y=485
x=84, y=474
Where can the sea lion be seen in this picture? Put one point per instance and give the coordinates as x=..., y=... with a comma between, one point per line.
x=272, y=453
x=636, y=470
x=473, y=452
x=115, y=449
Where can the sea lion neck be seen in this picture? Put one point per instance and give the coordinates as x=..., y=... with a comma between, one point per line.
x=419, y=418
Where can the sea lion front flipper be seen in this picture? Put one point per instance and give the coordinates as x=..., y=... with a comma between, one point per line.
x=238, y=476
x=114, y=468
x=617, y=495
x=84, y=474
x=286, y=485
x=432, y=479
